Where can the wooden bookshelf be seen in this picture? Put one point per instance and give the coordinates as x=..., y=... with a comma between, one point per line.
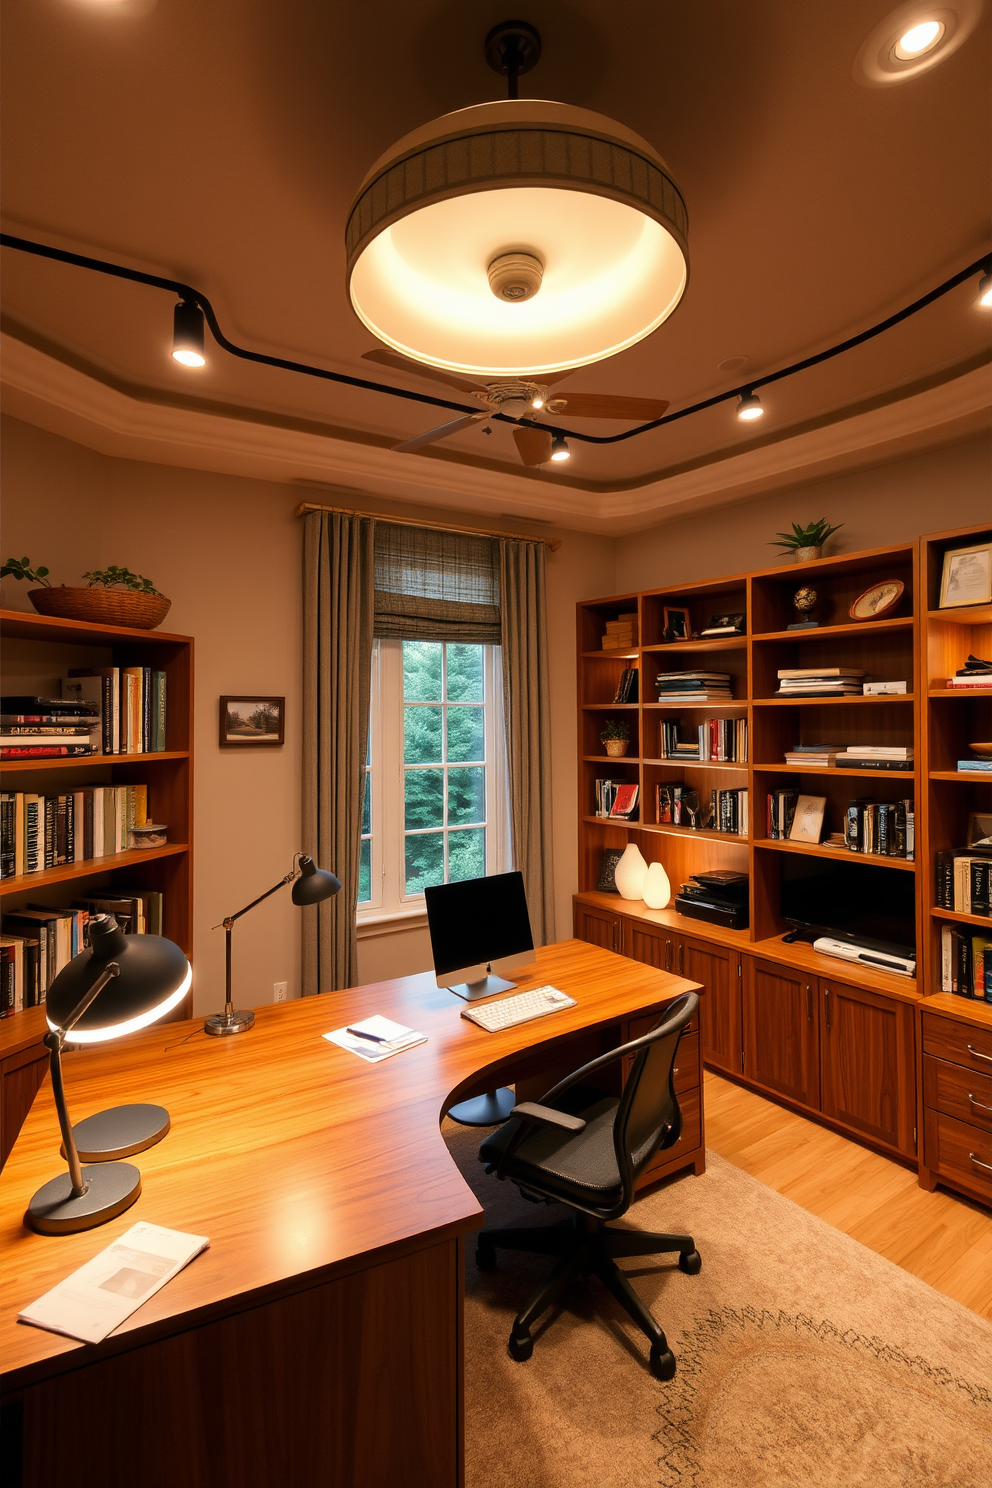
x=37, y=652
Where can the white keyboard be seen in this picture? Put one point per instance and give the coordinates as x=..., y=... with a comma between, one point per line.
x=509, y=1011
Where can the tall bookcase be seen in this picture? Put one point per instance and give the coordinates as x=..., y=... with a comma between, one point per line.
x=37, y=652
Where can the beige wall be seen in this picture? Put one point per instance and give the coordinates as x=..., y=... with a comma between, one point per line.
x=227, y=551
x=932, y=492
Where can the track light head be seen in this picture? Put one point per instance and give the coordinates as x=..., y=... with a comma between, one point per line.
x=749, y=407
x=559, y=449
x=187, y=335
x=985, y=290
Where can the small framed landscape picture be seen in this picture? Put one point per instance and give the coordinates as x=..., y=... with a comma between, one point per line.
x=807, y=824
x=678, y=626
x=248, y=721
x=967, y=576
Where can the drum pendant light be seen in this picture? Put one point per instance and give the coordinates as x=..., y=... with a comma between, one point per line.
x=518, y=237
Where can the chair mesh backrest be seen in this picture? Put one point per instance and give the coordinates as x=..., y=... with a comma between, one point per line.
x=648, y=1114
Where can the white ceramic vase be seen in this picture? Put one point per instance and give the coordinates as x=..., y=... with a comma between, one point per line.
x=657, y=890
x=631, y=872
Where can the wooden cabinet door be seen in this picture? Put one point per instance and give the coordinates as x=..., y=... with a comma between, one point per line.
x=597, y=926
x=718, y=969
x=654, y=945
x=868, y=1064
x=780, y=1024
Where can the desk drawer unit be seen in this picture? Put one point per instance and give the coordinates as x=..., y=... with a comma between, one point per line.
x=691, y=1138
x=961, y=1043
x=961, y=1093
x=957, y=1104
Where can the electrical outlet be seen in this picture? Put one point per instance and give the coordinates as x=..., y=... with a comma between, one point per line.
x=279, y=991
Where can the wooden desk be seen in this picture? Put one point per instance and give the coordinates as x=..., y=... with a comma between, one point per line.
x=318, y=1340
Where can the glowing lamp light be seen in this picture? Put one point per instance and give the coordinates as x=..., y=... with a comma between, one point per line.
x=749, y=407
x=187, y=335
x=517, y=238
x=559, y=449
x=918, y=39
x=985, y=291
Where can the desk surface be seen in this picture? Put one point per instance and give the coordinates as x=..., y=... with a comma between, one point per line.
x=298, y=1160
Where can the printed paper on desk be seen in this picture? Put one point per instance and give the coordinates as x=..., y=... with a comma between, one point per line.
x=387, y=1038
x=97, y=1298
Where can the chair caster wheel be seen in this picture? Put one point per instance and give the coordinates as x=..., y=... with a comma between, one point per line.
x=690, y=1262
x=662, y=1363
x=522, y=1348
x=485, y=1256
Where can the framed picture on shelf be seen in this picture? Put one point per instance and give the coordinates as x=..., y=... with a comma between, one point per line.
x=607, y=883
x=678, y=626
x=248, y=721
x=807, y=823
x=980, y=830
x=967, y=576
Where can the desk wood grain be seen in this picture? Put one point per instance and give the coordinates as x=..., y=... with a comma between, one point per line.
x=301, y=1163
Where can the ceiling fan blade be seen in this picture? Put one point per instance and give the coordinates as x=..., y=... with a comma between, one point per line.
x=606, y=405
x=441, y=432
x=533, y=445
x=399, y=363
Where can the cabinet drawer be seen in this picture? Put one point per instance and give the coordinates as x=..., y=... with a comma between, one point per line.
x=961, y=1043
x=956, y=1151
x=687, y=1142
x=964, y=1094
x=686, y=1064
x=644, y=1022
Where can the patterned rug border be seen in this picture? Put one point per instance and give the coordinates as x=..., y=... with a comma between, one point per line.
x=678, y=1461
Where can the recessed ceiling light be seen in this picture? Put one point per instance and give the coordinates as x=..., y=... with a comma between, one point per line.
x=918, y=39
x=733, y=364
x=914, y=38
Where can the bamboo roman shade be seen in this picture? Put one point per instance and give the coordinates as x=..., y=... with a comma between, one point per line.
x=436, y=586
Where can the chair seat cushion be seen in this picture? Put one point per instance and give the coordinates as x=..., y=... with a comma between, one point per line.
x=580, y=1165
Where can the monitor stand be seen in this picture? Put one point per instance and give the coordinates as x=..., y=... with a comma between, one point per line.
x=488, y=986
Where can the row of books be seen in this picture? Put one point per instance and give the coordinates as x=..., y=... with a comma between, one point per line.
x=819, y=682
x=965, y=963
x=693, y=687
x=679, y=806
x=853, y=756
x=51, y=831
x=627, y=686
x=38, y=941
x=963, y=882
x=721, y=739
x=729, y=812
x=885, y=828
x=616, y=798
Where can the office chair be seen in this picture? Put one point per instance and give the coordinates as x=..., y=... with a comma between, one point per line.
x=585, y=1149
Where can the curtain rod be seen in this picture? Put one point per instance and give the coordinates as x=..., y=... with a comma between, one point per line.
x=554, y=543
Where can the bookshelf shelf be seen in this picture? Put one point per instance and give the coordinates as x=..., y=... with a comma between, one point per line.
x=704, y=643
x=90, y=761
x=967, y=615
x=972, y=776
x=831, y=702
x=831, y=632
x=982, y=921
x=668, y=829
x=712, y=706
x=88, y=868
x=739, y=768
x=612, y=821
x=608, y=707
x=960, y=692
x=809, y=849
x=611, y=759
x=609, y=655
x=832, y=770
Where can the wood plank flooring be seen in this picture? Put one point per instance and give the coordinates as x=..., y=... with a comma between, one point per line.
x=944, y=1240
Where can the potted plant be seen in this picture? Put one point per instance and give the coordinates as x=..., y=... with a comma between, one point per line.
x=616, y=736
x=114, y=596
x=806, y=542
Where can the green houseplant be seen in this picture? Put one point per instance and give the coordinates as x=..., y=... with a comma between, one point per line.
x=806, y=543
x=615, y=734
x=114, y=596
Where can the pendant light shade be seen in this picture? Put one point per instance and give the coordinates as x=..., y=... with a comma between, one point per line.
x=630, y=873
x=516, y=238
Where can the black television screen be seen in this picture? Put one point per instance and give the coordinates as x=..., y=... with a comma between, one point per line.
x=850, y=898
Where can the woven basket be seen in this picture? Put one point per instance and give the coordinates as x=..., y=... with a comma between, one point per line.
x=617, y=746
x=102, y=606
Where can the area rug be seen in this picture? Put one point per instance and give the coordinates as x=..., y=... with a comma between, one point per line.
x=805, y=1360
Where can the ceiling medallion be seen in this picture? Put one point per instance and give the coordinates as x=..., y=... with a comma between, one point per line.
x=519, y=237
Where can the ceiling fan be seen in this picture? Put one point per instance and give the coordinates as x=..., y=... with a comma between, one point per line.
x=518, y=397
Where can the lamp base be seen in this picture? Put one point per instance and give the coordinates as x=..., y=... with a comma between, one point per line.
x=485, y=1110
x=119, y=1132
x=220, y=1024
x=110, y=1189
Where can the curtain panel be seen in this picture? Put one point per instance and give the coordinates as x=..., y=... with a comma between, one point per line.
x=337, y=668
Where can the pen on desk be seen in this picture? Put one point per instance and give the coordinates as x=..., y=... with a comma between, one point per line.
x=375, y=1038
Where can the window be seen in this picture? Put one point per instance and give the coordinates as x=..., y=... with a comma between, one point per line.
x=436, y=808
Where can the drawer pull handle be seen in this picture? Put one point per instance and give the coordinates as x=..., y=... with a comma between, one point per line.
x=980, y=1104
x=979, y=1164
x=979, y=1055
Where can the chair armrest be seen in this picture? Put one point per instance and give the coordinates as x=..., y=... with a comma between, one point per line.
x=546, y=1116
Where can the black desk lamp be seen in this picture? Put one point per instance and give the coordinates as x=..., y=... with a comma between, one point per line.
x=119, y=984
x=312, y=884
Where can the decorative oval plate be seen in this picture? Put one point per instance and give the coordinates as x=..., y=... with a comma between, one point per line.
x=878, y=600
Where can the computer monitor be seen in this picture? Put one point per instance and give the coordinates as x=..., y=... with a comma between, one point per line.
x=478, y=925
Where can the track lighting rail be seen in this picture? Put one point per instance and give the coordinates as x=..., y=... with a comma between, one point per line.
x=189, y=295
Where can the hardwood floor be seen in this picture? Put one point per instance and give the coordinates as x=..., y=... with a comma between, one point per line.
x=944, y=1240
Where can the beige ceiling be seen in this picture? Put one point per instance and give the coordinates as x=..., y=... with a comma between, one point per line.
x=221, y=142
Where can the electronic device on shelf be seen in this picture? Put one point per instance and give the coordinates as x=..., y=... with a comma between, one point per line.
x=509, y=1011
x=478, y=928
x=720, y=897
x=873, y=956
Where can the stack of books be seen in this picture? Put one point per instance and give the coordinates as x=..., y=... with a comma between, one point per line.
x=47, y=728
x=977, y=766
x=964, y=882
x=965, y=963
x=694, y=687
x=876, y=757
x=51, y=831
x=884, y=828
x=616, y=798
x=717, y=739
x=130, y=704
x=820, y=682
x=621, y=633
x=813, y=754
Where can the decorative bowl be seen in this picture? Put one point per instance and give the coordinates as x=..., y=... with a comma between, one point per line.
x=102, y=606
x=984, y=751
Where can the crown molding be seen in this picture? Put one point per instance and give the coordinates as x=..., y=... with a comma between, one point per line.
x=53, y=395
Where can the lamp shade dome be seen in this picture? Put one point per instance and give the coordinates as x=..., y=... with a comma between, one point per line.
x=516, y=238
x=314, y=884
x=154, y=978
